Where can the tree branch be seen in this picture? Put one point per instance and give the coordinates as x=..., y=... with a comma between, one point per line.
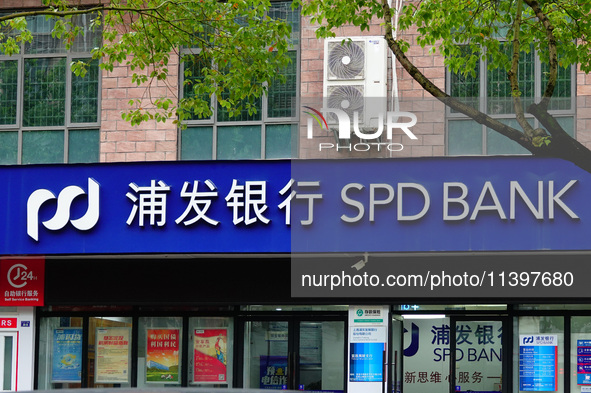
x=513, y=73
x=436, y=92
x=552, y=52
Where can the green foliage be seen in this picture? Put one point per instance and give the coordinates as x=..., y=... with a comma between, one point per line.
x=241, y=48
x=465, y=31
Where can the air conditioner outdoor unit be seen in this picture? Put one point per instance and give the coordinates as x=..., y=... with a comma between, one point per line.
x=355, y=79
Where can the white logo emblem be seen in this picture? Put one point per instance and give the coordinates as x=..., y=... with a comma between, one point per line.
x=62, y=213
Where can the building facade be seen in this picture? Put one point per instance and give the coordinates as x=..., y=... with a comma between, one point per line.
x=232, y=252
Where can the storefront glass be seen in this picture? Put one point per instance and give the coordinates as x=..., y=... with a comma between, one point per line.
x=321, y=356
x=479, y=355
x=296, y=354
x=434, y=344
x=266, y=355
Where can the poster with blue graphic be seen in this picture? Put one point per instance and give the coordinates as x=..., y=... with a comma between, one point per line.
x=66, y=363
x=538, y=356
x=366, y=362
x=273, y=372
x=583, y=362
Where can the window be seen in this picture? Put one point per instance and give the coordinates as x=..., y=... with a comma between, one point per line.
x=490, y=92
x=48, y=114
x=272, y=132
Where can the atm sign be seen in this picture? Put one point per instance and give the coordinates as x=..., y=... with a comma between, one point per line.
x=7, y=323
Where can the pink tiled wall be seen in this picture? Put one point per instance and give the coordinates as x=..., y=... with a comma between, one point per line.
x=151, y=140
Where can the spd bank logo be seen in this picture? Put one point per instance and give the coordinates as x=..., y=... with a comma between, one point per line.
x=369, y=139
x=62, y=214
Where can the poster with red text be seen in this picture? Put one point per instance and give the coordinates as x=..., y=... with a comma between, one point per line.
x=162, y=355
x=210, y=355
x=112, y=355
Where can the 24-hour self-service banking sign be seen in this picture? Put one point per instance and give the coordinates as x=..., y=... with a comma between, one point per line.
x=400, y=205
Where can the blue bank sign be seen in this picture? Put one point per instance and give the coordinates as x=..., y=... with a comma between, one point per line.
x=438, y=204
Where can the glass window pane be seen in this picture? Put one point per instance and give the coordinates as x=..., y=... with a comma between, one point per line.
x=41, y=27
x=283, y=10
x=482, y=372
x=561, y=99
x=83, y=146
x=224, y=114
x=43, y=147
x=8, y=147
x=197, y=143
x=265, y=354
x=85, y=95
x=568, y=124
x=499, y=88
x=466, y=87
x=44, y=92
x=499, y=144
x=281, y=141
x=322, y=356
x=210, y=352
x=109, y=360
x=7, y=380
x=282, y=96
x=8, y=91
x=193, y=75
x=90, y=37
x=464, y=137
x=159, y=352
x=239, y=142
x=55, y=351
x=422, y=339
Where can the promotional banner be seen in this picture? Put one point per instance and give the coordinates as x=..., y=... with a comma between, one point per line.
x=366, y=362
x=273, y=372
x=66, y=359
x=584, y=362
x=112, y=355
x=22, y=282
x=210, y=355
x=538, y=355
x=162, y=355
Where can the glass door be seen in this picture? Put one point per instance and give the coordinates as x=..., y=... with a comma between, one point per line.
x=296, y=353
x=477, y=351
x=321, y=356
x=8, y=361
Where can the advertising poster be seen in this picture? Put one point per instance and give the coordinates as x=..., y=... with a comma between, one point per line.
x=368, y=335
x=273, y=372
x=538, y=356
x=210, y=355
x=112, y=355
x=366, y=363
x=66, y=361
x=583, y=362
x=162, y=355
